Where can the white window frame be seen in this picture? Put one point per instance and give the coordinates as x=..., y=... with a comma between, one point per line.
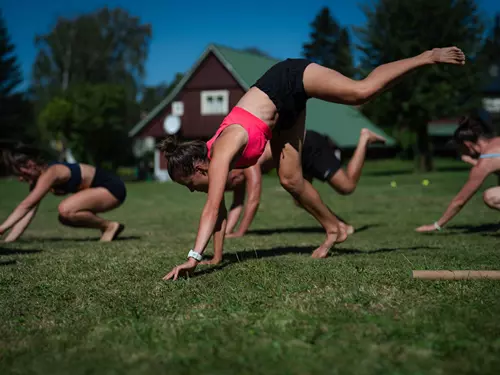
x=205, y=105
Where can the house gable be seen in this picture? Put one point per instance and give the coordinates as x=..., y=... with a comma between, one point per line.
x=208, y=75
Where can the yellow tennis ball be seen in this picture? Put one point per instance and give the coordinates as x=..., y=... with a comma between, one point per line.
x=394, y=184
x=425, y=182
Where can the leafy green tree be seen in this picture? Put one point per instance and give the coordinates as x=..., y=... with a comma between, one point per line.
x=153, y=95
x=329, y=44
x=398, y=29
x=105, y=46
x=92, y=118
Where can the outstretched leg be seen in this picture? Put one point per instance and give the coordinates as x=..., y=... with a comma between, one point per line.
x=329, y=85
x=80, y=210
x=287, y=147
x=345, y=182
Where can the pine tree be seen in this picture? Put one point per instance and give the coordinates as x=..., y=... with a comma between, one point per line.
x=13, y=107
x=398, y=29
x=330, y=44
x=491, y=50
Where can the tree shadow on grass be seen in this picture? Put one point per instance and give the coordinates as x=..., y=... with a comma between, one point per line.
x=490, y=227
x=468, y=229
x=6, y=251
x=395, y=172
x=7, y=263
x=270, y=231
x=242, y=256
x=85, y=239
x=455, y=168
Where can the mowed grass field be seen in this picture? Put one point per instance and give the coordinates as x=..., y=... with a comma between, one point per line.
x=71, y=305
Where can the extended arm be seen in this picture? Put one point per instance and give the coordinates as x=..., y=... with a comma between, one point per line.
x=224, y=151
x=19, y=228
x=236, y=208
x=253, y=176
x=42, y=187
x=220, y=231
x=476, y=179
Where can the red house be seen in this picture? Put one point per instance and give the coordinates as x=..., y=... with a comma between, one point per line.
x=215, y=83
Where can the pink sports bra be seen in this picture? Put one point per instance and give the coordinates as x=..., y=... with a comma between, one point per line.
x=258, y=136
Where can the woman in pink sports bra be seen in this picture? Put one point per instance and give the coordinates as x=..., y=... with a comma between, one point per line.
x=274, y=109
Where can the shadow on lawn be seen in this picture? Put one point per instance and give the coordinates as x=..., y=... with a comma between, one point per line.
x=270, y=231
x=242, y=256
x=469, y=229
x=6, y=251
x=7, y=263
x=86, y=239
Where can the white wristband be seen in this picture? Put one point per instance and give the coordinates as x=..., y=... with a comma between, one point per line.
x=437, y=226
x=193, y=254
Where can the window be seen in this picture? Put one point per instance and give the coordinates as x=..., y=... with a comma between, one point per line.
x=177, y=108
x=215, y=102
x=492, y=105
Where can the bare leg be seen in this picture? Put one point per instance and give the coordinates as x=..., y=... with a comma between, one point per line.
x=349, y=229
x=80, y=210
x=287, y=148
x=492, y=198
x=329, y=85
x=345, y=182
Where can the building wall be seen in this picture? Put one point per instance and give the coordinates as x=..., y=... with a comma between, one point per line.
x=210, y=75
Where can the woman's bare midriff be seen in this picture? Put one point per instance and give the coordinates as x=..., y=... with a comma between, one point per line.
x=88, y=173
x=258, y=104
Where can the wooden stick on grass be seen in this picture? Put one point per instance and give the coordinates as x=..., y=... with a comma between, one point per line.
x=456, y=275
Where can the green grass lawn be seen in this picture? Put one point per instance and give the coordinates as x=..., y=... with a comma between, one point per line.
x=71, y=305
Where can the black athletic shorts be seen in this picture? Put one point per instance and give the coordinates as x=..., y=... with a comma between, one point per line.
x=109, y=181
x=284, y=85
x=320, y=156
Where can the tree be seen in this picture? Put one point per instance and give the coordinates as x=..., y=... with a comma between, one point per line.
x=104, y=46
x=398, y=29
x=153, y=95
x=491, y=50
x=91, y=118
x=330, y=44
x=14, y=108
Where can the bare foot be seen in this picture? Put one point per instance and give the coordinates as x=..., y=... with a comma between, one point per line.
x=112, y=231
x=331, y=239
x=448, y=55
x=371, y=137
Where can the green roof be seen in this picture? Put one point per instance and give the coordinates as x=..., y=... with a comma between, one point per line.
x=442, y=129
x=340, y=122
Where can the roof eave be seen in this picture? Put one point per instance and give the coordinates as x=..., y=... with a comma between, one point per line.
x=141, y=124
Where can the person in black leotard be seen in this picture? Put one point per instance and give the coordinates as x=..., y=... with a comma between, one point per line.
x=93, y=191
x=320, y=160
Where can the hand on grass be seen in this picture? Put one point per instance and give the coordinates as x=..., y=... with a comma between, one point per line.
x=185, y=269
x=426, y=228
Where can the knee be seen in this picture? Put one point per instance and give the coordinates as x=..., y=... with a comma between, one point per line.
x=293, y=183
x=346, y=189
x=65, y=212
x=362, y=92
x=492, y=200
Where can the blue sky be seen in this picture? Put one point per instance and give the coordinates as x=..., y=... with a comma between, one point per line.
x=183, y=28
